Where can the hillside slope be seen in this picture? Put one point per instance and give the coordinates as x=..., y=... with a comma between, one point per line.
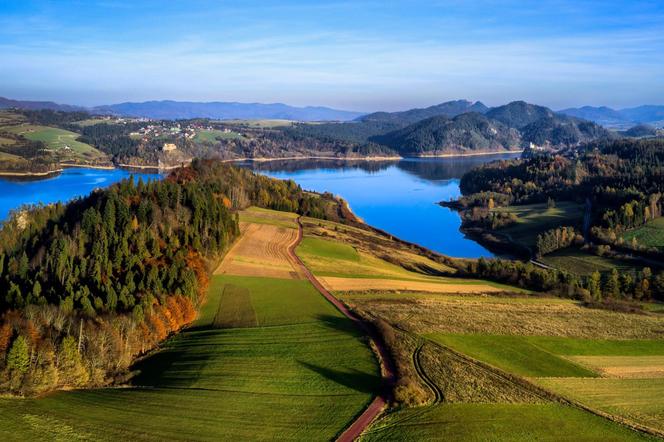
x=469, y=132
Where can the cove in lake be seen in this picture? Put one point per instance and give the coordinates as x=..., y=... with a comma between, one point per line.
x=69, y=184
x=399, y=197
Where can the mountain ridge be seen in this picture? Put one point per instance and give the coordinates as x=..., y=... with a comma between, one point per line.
x=619, y=118
x=175, y=110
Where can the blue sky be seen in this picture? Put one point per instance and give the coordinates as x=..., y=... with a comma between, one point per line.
x=360, y=55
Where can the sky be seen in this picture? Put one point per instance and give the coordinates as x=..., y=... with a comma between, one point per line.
x=355, y=55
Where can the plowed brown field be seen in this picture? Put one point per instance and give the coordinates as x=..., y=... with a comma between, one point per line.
x=262, y=251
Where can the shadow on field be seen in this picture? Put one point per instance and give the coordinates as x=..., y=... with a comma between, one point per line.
x=339, y=323
x=354, y=379
x=159, y=369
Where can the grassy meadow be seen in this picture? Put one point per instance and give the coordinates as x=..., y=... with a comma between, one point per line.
x=534, y=219
x=61, y=141
x=348, y=259
x=212, y=136
x=513, y=354
x=639, y=400
x=584, y=263
x=497, y=422
x=650, y=235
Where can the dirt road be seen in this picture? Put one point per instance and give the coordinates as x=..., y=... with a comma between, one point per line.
x=387, y=368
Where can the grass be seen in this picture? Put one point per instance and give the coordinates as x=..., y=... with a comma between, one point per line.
x=514, y=354
x=534, y=219
x=275, y=301
x=544, y=356
x=328, y=249
x=372, y=244
x=58, y=140
x=498, y=422
x=650, y=235
x=506, y=315
x=258, y=215
x=301, y=381
x=583, y=263
x=327, y=257
x=235, y=308
x=641, y=400
x=211, y=136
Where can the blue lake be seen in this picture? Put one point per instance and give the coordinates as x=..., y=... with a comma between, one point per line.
x=71, y=183
x=399, y=197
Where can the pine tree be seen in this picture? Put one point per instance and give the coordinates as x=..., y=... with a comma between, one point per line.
x=594, y=285
x=18, y=360
x=612, y=285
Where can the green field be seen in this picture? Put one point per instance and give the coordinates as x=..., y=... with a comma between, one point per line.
x=302, y=381
x=497, y=422
x=641, y=400
x=257, y=215
x=62, y=141
x=544, y=356
x=514, y=354
x=328, y=249
x=650, y=235
x=274, y=306
x=325, y=257
x=584, y=263
x=211, y=136
x=534, y=219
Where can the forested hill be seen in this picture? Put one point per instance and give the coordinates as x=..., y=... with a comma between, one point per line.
x=447, y=109
x=621, y=182
x=466, y=133
x=89, y=285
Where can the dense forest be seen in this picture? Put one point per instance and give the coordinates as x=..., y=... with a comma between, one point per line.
x=89, y=285
x=468, y=132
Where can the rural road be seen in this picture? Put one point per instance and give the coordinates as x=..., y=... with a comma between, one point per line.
x=388, y=372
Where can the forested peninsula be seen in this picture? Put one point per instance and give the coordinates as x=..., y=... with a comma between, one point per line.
x=597, y=204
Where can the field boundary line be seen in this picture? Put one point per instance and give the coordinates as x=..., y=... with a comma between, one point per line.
x=388, y=372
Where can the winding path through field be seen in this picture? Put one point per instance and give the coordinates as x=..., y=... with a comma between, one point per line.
x=387, y=369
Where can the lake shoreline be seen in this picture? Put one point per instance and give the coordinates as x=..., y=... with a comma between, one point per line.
x=48, y=174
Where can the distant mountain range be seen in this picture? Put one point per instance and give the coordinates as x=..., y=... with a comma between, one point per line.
x=374, y=123
x=174, y=110
x=619, y=119
x=7, y=103
x=463, y=127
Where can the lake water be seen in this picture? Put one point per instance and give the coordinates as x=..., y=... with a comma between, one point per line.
x=399, y=197
x=71, y=183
